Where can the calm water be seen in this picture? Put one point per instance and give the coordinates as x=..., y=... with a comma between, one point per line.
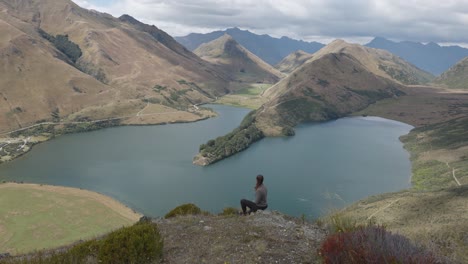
x=150, y=169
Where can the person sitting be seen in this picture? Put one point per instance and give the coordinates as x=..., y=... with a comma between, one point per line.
x=260, y=198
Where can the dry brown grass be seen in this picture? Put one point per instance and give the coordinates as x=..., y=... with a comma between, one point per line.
x=37, y=78
x=422, y=105
x=439, y=219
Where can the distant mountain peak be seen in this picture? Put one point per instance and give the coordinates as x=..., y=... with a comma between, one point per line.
x=433, y=44
x=380, y=39
x=271, y=50
x=235, y=59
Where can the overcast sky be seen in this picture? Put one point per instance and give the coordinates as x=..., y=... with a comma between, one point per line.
x=441, y=21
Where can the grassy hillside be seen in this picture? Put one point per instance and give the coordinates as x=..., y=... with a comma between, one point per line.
x=34, y=217
x=237, y=61
x=334, y=85
x=82, y=62
x=456, y=77
x=196, y=237
x=436, y=219
x=439, y=154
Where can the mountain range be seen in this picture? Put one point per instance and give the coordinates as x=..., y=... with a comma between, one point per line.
x=271, y=50
x=430, y=57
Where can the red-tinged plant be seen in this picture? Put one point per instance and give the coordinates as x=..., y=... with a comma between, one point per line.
x=372, y=244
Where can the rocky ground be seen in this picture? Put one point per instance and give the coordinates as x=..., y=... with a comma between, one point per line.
x=263, y=237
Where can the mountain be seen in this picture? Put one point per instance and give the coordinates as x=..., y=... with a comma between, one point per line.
x=68, y=62
x=431, y=57
x=338, y=80
x=293, y=61
x=456, y=76
x=378, y=62
x=271, y=50
x=244, y=66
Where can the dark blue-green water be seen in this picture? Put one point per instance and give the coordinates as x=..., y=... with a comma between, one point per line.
x=149, y=168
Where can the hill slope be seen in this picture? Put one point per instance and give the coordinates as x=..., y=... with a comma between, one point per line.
x=377, y=62
x=436, y=219
x=339, y=79
x=293, y=61
x=271, y=50
x=237, y=61
x=117, y=63
x=430, y=57
x=455, y=77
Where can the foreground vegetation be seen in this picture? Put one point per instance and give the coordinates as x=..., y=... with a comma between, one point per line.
x=366, y=242
x=373, y=244
x=140, y=243
x=188, y=234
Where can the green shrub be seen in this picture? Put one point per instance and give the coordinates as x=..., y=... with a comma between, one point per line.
x=62, y=43
x=185, y=209
x=140, y=243
x=340, y=223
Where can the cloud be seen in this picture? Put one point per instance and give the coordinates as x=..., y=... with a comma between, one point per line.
x=417, y=20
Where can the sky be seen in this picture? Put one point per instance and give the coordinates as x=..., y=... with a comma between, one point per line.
x=441, y=21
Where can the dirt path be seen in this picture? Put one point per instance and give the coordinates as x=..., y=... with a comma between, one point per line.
x=453, y=174
x=87, y=122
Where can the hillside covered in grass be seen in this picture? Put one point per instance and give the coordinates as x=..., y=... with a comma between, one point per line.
x=189, y=235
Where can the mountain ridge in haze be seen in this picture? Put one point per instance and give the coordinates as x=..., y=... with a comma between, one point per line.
x=431, y=57
x=271, y=50
x=293, y=61
x=244, y=66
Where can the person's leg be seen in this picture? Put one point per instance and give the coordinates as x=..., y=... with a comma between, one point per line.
x=263, y=207
x=246, y=203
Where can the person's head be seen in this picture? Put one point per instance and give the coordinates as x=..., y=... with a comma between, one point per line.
x=259, y=181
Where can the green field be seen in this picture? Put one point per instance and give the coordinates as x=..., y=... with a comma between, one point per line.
x=245, y=95
x=34, y=217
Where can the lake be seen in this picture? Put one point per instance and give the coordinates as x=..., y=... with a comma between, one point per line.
x=149, y=168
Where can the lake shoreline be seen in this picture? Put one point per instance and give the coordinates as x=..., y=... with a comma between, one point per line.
x=150, y=141
x=18, y=141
